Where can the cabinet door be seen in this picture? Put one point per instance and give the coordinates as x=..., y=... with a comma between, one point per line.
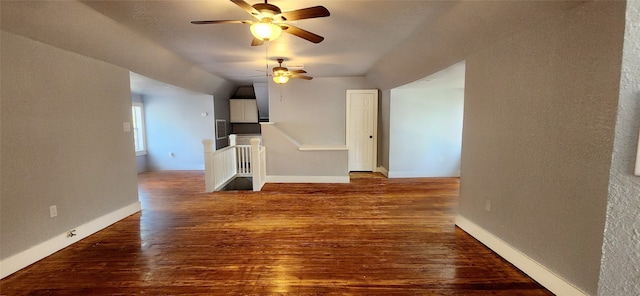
x=237, y=110
x=250, y=111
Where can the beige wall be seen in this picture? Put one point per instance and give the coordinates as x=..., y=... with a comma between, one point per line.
x=540, y=110
x=313, y=112
x=75, y=27
x=62, y=141
x=467, y=27
x=285, y=159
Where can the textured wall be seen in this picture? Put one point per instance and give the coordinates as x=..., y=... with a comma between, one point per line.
x=62, y=141
x=539, y=120
x=74, y=26
x=620, y=270
x=467, y=27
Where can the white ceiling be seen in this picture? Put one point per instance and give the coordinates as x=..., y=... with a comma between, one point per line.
x=144, y=85
x=357, y=34
x=390, y=42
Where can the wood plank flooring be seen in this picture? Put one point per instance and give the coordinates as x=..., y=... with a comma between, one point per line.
x=374, y=236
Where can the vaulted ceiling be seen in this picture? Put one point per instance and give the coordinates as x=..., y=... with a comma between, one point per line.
x=357, y=33
x=402, y=40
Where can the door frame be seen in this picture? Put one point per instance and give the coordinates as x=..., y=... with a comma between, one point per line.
x=374, y=153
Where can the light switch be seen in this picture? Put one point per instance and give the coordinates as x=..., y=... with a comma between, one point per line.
x=126, y=126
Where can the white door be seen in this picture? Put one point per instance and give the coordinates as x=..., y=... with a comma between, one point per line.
x=362, y=110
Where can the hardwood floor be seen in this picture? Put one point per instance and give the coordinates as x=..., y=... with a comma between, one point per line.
x=374, y=236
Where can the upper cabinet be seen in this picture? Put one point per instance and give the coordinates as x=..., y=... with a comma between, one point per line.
x=243, y=111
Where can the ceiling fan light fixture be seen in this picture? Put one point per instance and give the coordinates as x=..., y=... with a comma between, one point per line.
x=280, y=79
x=278, y=71
x=266, y=30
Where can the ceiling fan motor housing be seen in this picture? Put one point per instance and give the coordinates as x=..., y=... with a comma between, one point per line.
x=271, y=21
x=280, y=70
x=267, y=10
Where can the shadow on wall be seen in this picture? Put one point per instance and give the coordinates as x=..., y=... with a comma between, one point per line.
x=425, y=129
x=176, y=121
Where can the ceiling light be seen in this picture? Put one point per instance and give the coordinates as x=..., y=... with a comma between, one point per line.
x=265, y=30
x=280, y=79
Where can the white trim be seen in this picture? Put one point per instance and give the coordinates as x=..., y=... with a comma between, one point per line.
x=285, y=135
x=416, y=174
x=637, y=168
x=141, y=128
x=307, y=147
x=383, y=171
x=375, y=92
x=191, y=167
x=307, y=179
x=27, y=257
x=535, y=270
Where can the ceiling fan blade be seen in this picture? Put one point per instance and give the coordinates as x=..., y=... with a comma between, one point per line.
x=304, y=34
x=302, y=77
x=221, y=22
x=298, y=71
x=305, y=13
x=248, y=8
x=257, y=42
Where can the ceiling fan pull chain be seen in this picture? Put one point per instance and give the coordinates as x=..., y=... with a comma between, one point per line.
x=280, y=85
x=266, y=60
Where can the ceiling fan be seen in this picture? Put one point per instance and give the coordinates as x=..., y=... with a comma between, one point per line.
x=270, y=21
x=281, y=74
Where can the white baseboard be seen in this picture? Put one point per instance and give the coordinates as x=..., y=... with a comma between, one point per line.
x=415, y=174
x=307, y=179
x=27, y=257
x=535, y=270
x=383, y=171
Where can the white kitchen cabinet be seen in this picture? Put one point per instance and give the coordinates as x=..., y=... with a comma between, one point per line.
x=243, y=111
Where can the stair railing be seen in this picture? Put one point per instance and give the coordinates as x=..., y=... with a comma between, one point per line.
x=222, y=166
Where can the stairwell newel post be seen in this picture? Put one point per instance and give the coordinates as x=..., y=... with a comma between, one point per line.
x=255, y=163
x=232, y=140
x=208, y=165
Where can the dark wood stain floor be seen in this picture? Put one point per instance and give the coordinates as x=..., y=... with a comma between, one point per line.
x=374, y=236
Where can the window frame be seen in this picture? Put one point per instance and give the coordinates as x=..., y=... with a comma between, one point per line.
x=140, y=129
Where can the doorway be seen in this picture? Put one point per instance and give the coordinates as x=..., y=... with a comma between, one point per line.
x=361, y=131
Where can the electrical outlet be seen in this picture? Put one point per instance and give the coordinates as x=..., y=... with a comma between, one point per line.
x=53, y=211
x=487, y=205
x=71, y=233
